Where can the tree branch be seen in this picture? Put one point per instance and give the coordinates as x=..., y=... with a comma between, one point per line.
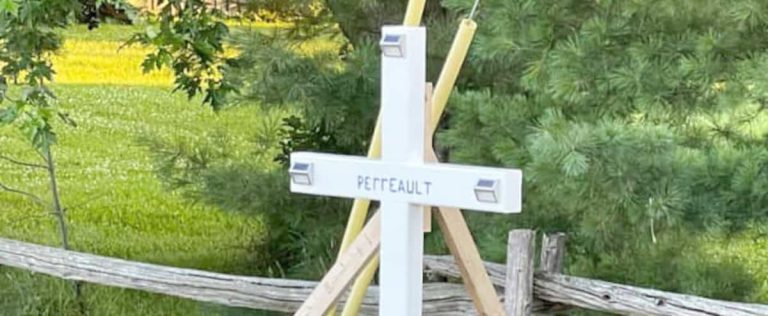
x=26, y=164
x=31, y=196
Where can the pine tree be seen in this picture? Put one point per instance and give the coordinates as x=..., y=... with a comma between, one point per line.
x=640, y=126
x=334, y=98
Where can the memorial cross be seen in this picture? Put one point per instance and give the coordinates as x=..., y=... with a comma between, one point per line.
x=401, y=180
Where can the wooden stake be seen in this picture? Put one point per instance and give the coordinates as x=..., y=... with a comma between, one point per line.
x=518, y=292
x=428, y=148
x=459, y=240
x=359, y=253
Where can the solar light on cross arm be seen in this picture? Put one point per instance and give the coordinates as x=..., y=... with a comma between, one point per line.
x=393, y=45
x=301, y=173
x=487, y=190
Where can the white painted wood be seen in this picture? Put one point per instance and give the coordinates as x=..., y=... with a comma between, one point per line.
x=403, y=83
x=401, y=181
x=437, y=184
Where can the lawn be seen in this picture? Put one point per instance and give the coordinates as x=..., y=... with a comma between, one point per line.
x=115, y=204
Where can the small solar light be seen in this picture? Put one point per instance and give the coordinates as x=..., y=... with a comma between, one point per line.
x=487, y=190
x=393, y=45
x=301, y=173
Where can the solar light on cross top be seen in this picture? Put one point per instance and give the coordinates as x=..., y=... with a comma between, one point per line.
x=392, y=45
x=401, y=180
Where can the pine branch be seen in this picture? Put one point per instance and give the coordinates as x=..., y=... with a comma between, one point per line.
x=21, y=163
x=31, y=196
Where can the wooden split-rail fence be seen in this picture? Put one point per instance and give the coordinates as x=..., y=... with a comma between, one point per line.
x=523, y=289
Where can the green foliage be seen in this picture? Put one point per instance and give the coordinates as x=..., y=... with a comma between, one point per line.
x=296, y=138
x=208, y=171
x=93, y=12
x=28, y=36
x=640, y=126
x=334, y=98
x=189, y=40
x=278, y=10
x=335, y=92
x=116, y=205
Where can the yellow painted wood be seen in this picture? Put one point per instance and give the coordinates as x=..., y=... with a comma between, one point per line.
x=451, y=68
x=414, y=12
x=362, y=282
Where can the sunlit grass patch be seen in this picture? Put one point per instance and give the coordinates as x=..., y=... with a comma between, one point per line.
x=100, y=56
x=105, y=62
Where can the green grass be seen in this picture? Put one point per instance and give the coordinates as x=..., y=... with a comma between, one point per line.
x=107, y=180
x=115, y=204
x=749, y=249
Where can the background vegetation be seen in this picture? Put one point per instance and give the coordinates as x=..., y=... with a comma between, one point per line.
x=117, y=207
x=640, y=126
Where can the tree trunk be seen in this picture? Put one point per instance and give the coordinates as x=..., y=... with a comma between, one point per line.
x=61, y=218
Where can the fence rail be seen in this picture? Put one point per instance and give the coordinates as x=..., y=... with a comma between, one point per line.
x=608, y=297
x=252, y=292
x=552, y=290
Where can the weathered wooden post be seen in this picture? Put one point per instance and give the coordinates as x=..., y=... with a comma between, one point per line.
x=518, y=290
x=552, y=252
x=552, y=260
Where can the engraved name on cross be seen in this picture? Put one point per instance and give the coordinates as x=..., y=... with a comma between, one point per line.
x=401, y=180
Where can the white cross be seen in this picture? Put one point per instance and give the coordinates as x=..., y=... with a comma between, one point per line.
x=401, y=180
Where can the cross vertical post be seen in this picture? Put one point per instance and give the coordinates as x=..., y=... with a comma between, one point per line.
x=403, y=77
x=404, y=183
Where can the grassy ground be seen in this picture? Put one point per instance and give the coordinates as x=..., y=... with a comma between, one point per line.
x=115, y=204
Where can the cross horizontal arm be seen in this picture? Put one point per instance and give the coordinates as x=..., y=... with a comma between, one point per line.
x=476, y=188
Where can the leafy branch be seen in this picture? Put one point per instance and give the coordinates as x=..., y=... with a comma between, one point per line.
x=22, y=163
x=189, y=40
x=29, y=195
x=29, y=36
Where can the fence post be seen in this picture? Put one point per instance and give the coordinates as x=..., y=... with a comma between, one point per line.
x=552, y=252
x=518, y=290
